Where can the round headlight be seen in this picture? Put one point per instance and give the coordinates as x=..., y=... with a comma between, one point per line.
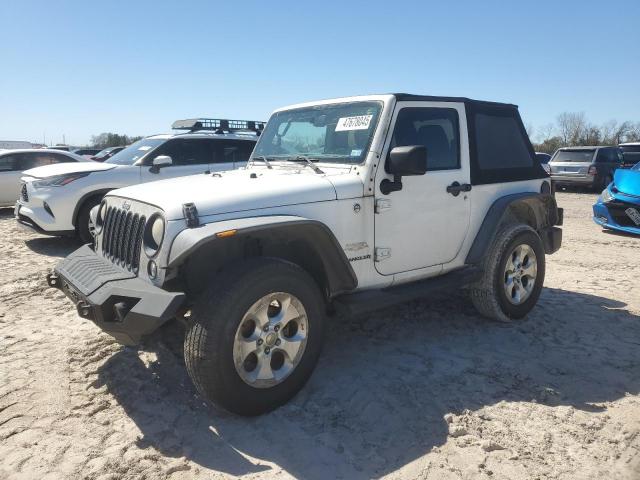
x=99, y=219
x=154, y=234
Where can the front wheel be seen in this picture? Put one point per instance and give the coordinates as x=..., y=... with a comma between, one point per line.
x=513, y=275
x=255, y=336
x=84, y=227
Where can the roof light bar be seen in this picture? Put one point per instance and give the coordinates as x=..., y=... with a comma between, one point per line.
x=218, y=125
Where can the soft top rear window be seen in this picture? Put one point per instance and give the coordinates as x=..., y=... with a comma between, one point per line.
x=574, y=156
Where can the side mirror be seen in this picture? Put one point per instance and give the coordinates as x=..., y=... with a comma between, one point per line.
x=404, y=161
x=159, y=162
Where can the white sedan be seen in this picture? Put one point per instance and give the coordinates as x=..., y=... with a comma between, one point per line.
x=14, y=162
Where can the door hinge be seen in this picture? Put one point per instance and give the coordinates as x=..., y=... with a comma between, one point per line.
x=382, y=204
x=382, y=253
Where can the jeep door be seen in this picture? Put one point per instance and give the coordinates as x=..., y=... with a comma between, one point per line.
x=188, y=157
x=423, y=224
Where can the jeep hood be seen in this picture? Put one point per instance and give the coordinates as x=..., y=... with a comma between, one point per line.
x=66, y=168
x=235, y=191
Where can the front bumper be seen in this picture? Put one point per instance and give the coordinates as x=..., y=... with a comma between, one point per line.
x=116, y=300
x=615, y=220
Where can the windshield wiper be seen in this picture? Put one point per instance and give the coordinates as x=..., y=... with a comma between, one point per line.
x=307, y=160
x=264, y=159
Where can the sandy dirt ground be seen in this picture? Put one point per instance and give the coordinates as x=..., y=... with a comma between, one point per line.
x=423, y=391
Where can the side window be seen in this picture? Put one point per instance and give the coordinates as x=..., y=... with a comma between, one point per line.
x=229, y=151
x=8, y=163
x=500, y=143
x=194, y=152
x=185, y=152
x=59, y=158
x=34, y=160
x=435, y=128
x=603, y=155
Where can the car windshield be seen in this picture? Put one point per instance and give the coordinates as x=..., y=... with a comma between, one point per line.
x=135, y=151
x=574, y=156
x=636, y=167
x=339, y=133
x=104, y=153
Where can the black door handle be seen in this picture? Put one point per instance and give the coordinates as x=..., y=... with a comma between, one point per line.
x=455, y=188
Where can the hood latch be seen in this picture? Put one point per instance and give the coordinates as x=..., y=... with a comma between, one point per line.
x=191, y=215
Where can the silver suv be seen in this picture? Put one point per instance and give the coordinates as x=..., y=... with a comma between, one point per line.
x=590, y=167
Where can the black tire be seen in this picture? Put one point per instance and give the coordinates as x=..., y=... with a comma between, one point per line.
x=82, y=221
x=215, y=318
x=488, y=294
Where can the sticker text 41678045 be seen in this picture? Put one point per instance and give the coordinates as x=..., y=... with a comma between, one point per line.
x=359, y=122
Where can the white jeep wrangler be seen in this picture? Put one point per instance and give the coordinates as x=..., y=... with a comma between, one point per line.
x=346, y=205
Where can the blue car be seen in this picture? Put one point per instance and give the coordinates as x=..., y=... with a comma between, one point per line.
x=618, y=207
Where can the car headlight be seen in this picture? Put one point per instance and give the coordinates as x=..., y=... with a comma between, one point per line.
x=606, y=195
x=154, y=234
x=59, y=180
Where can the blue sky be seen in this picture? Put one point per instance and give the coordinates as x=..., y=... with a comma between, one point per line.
x=81, y=68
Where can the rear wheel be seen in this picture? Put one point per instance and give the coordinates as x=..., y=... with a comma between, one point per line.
x=255, y=337
x=513, y=275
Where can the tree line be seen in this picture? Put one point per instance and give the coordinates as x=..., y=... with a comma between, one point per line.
x=107, y=139
x=572, y=129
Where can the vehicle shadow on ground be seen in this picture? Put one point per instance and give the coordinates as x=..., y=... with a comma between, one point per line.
x=6, y=212
x=52, y=246
x=384, y=382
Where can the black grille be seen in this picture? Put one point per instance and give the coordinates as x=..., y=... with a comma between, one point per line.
x=617, y=211
x=122, y=237
x=23, y=192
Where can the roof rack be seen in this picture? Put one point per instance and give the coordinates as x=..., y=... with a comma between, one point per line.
x=219, y=125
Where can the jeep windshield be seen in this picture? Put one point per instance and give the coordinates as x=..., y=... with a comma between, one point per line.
x=574, y=156
x=135, y=151
x=336, y=133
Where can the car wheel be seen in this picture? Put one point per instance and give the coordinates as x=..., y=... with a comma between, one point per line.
x=513, y=275
x=84, y=228
x=255, y=336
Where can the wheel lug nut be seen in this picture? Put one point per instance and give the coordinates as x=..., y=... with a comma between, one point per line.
x=267, y=350
x=266, y=329
x=278, y=342
x=259, y=341
x=276, y=328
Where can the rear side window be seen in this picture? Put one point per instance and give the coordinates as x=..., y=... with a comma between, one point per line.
x=435, y=128
x=229, y=151
x=500, y=143
x=8, y=163
x=609, y=155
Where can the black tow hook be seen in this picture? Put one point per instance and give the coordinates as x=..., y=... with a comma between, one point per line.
x=84, y=310
x=53, y=280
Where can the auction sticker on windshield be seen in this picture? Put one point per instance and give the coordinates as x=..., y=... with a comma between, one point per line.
x=359, y=122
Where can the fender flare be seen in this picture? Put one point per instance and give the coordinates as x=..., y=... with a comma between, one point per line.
x=546, y=216
x=340, y=275
x=84, y=198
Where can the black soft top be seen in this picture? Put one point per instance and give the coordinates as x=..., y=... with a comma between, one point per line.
x=410, y=97
x=499, y=147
